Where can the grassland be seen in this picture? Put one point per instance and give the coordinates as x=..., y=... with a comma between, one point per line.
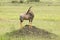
x=46, y=17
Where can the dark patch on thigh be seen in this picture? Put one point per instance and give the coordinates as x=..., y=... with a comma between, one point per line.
x=21, y=19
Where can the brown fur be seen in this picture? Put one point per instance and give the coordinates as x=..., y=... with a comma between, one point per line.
x=29, y=15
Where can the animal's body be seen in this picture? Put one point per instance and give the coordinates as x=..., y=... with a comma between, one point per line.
x=29, y=15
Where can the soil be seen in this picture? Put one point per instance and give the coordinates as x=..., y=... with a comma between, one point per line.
x=34, y=31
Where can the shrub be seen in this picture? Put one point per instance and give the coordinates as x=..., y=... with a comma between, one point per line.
x=34, y=0
x=14, y=1
x=21, y=1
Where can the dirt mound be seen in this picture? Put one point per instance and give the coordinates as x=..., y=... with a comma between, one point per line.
x=26, y=31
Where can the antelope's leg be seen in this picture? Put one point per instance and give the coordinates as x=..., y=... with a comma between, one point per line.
x=20, y=24
x=30, y=23
x=21, y=20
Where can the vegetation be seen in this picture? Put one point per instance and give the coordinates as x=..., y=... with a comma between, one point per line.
x=33, y=0
x=46, y=17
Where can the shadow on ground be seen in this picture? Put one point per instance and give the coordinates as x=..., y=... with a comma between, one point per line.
x=36, y=32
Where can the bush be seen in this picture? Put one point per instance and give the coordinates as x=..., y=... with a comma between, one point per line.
x=14, y=1
x=21, y=1
x=34, y=0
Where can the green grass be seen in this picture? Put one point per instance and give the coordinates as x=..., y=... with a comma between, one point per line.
x=46, y=17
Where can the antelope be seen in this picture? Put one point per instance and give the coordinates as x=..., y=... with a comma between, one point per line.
x=29, y=15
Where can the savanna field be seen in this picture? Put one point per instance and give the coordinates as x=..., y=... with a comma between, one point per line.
x=46, y=17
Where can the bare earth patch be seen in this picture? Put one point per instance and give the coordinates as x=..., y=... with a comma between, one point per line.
x=36, y=32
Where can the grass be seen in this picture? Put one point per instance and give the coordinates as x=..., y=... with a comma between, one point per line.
x=46, y=17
